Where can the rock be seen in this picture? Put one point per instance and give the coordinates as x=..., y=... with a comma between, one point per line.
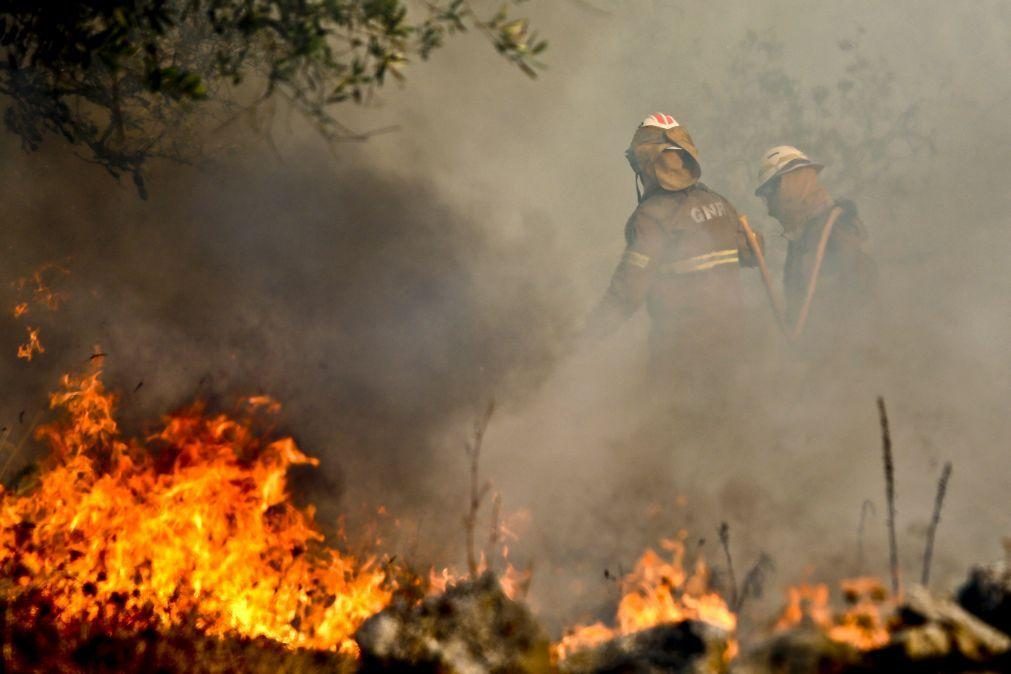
x=937, y=636
x=927, y=635
x=689, y=647
x=801, y=650
x=967, y=635
x=926, y=642
x=987, y=595
x=472, y=628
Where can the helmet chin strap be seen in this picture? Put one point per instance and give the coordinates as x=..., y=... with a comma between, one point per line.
x=634, y=163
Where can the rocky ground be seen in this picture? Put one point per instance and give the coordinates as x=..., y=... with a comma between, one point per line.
x=473, y=628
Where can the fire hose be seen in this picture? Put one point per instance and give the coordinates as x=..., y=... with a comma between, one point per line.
x=777, y=305
x=812, y=283
x=774, y=301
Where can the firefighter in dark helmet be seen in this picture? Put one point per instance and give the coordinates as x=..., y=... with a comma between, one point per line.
x=829, y=279
x=685, y=245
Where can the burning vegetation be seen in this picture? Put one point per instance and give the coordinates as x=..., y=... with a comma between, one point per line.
x=658, y=591
x=181, y=550
x=189, y=525
x=861, y=625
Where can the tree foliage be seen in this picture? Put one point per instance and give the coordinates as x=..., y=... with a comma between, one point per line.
x=861, y=124
x=119, y=78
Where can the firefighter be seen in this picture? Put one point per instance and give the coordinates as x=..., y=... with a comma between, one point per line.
x=829, y=278
x=685, y=244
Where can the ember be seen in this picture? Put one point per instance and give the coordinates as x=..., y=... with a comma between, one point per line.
x=192, y=524
x=32, y=346
x=38, y=289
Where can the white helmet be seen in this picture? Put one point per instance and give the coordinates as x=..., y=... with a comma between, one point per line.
x=779, y=160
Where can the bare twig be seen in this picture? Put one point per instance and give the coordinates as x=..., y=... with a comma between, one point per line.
x=928, y=553
x=724, y=532
x=617, y=580
x=477, y=490
x=886, y=448
x=495, y=531
x=866, y=507
x=754, y=581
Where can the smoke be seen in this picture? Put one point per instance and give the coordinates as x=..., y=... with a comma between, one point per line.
x=385, y=291
x=366, y=304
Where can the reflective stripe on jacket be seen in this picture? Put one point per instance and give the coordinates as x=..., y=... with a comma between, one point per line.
x=681, y=260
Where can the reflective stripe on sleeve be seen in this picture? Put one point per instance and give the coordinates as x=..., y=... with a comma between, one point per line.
x=636, y=259
x=701, y=262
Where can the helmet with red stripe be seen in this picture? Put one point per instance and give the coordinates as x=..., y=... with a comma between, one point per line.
x=660, y=119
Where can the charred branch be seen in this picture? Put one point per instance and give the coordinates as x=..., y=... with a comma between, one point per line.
x=724, y=533
x=478, y=490
x=886, y=449
x=928, y=553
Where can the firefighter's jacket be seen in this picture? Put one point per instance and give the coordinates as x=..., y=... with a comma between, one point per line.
x=683, y=253
x=845, y=291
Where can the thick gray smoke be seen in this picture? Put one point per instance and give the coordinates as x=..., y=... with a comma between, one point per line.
x=385, y=293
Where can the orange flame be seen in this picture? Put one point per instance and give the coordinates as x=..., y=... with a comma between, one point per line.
x=656, y=592
x=861, y=625
x=192, y=523
x=440, y=581
x=265, y=403
x=42, y=294
x=514, y=582
x=40, y=285
x=806, y=603
x=33, y=346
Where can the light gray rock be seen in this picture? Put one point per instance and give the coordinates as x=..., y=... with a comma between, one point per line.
x=472, y=628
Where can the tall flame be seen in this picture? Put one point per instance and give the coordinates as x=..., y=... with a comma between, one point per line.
x=190, y=524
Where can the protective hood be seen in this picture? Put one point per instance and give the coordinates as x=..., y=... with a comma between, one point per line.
x=665, y=158
x=799, y=197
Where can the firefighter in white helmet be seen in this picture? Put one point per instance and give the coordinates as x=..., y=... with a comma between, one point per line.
x=829, y=278
x=685, y=246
